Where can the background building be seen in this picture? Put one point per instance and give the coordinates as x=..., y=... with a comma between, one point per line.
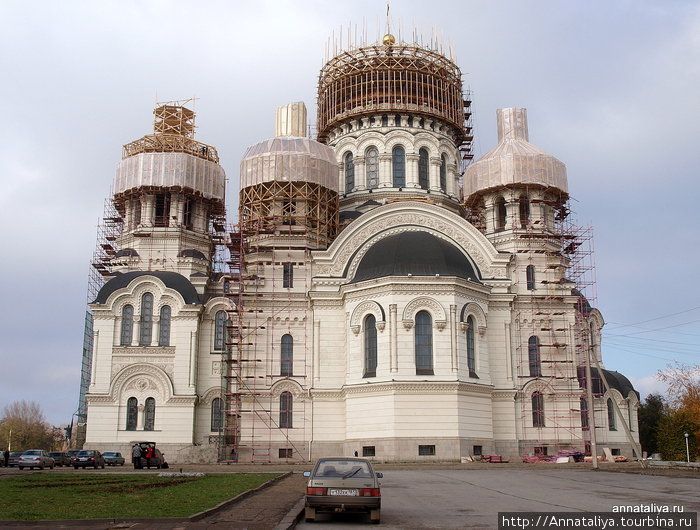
x=377, y=298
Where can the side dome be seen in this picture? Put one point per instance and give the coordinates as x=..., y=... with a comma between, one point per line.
x=514, y=160
x=414, y=253
x=289, y=159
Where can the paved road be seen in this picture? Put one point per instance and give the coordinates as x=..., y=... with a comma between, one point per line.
x=472, y=498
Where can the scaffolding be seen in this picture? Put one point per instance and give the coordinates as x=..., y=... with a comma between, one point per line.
x=554, y=262
x=394, y=78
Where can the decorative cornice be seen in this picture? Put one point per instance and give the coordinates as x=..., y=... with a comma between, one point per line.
x=143, y=351
x=402, y=387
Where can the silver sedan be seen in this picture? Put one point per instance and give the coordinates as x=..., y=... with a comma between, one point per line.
x=35, y=458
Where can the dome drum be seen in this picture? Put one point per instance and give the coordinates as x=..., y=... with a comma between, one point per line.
x=390, y=79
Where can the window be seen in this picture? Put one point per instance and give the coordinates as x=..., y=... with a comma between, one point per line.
x=537, y=409
x=372, y=167
x=615, y=451
x=164, y=333
x=149, y=412
x=584, y=414
x=477, y=450
x=288, y=275
x=349, y=173
x=426, y=450
x=612, y=424
x=398, y=166
x=630, y=415
x=217, y=416
x=368, y=450
x=127, y=330
x=530, y=277
x=524, y=211
x=424, y=343
x=132, y=413
x=285, y=452
x=289, y=208
x=443, y=173
x=501, y=214
x=146, y=320
x=162, y=212
x=423, y=168
x=219, y=326
x=286, y=404
x=471, y=354
x=533, y=355
x=188, y=214
x=287, y=356
x=370, y=346
x=137, y=213
x=541, y=450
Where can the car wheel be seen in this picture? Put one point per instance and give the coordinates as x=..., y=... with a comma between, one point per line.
x=309, y=514
x=103, y=466
x=52, y=466
x=21, y=468
x=76, y=467
x=374, y=516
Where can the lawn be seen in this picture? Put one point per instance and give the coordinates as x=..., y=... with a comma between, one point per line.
x=84, y=496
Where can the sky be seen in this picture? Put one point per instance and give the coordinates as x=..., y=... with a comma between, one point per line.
x=611, y=88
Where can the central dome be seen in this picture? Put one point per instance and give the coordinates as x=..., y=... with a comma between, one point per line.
x=414, y=253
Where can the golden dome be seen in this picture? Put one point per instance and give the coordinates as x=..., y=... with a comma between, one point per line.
x=388, y=39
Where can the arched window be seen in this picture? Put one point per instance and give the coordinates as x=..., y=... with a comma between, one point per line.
x=537, y=409
x=423, y=168
x=149, y=414
x=530, y=277
x=584, y=414
x=533, y=355
x=219, y=327
x=524, y=211
x=424, y=343
x=287, y=356
x=146, y=320
x=132, y=413
x=398, y=166
x=612, y=424
x=217, y=417
x=501, y=214
x=372, y=167
x=471, y=353
x=127, y=331
x=164, y=333
x=370, y=346
x=630, y=414
x=349, y=173
x=443, y=173
x=286, y=405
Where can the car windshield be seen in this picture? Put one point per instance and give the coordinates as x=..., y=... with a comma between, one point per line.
x=55, y=454
x=86, y=453
x=32, y=452
x=343, y=468
x=109, y=454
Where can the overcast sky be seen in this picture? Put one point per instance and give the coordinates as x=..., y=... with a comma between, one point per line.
x=611, y=88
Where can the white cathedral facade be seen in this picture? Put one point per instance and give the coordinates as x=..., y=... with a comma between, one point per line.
x=377, y=299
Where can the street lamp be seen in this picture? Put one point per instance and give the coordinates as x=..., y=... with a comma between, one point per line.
x=687, y=452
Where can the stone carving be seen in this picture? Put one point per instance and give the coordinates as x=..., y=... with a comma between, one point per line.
x=423, y=302
x=362, y=310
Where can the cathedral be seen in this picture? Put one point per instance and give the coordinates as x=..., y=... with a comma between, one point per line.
x=381, y=293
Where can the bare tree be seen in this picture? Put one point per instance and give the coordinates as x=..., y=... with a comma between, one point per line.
x=25, y=420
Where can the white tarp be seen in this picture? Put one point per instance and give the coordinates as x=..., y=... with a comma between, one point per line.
x=171, y=170
x=289, y=159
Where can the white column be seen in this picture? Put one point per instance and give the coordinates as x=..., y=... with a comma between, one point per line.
x=453, y=336
x=393, y=346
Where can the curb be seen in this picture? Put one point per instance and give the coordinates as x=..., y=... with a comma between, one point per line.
x=293, y=516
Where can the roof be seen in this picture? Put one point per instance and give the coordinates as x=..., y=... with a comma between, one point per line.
x=414, y=253
x=614, y=379
x=172, y=280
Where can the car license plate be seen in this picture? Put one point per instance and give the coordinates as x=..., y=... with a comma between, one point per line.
x=348, y=492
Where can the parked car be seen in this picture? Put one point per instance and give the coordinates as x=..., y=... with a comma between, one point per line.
x=343, y=485
x=14, y=458
x=35, y=458
x=113, y=458
x=157, y=459
x=88, y=458
x=61, y=459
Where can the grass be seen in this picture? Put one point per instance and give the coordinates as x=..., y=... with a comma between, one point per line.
x=84, y=496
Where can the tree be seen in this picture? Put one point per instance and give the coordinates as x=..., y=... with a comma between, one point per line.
x=29, y=428
x=650, y=413
x=683, y=388
x=672, y=428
